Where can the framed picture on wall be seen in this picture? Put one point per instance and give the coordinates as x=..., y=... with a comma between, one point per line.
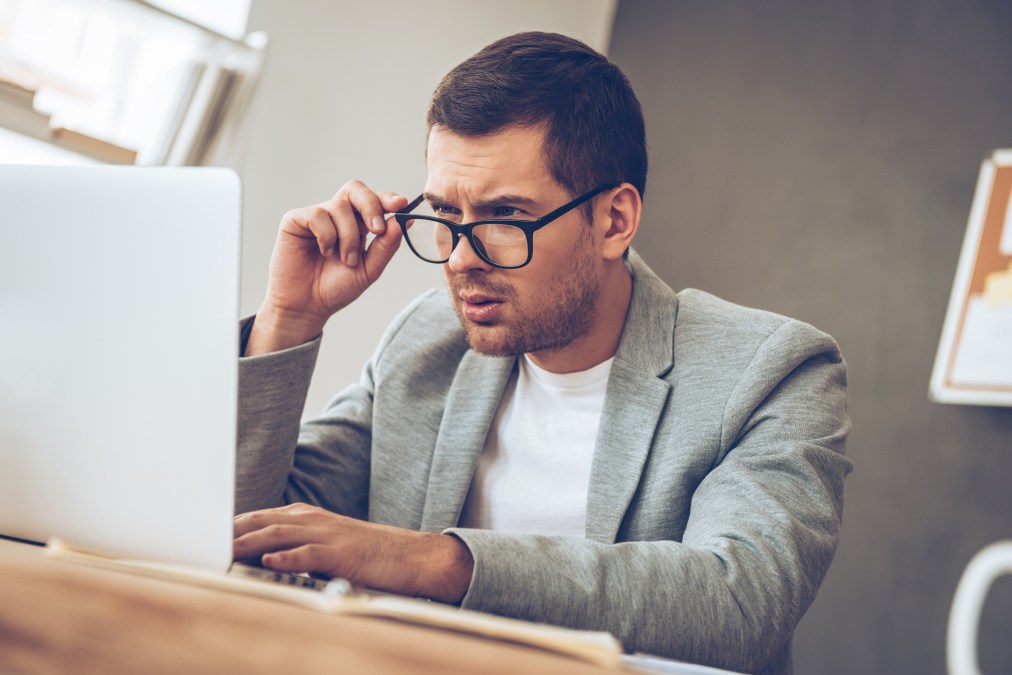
x=974, y=361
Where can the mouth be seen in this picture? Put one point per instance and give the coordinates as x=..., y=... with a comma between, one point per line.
x=480, y=307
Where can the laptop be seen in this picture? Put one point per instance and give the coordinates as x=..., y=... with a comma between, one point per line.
x=119, y=300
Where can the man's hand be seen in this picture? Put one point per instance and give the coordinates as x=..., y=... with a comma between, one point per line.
x=303, y=538
x=320, y=264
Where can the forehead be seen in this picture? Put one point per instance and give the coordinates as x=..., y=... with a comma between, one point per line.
x=511, y=160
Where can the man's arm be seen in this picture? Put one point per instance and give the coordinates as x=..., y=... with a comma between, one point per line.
x=272, y=394
x=300, y=537
x=762, y=530
x=326, y=462
x=320, y=264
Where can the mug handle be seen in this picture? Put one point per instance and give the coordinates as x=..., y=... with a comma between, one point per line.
x=964, y=619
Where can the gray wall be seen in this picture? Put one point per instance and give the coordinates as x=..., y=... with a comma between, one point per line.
x=818, y=158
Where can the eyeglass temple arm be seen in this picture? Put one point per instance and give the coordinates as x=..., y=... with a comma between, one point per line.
x=413, y=204
x=565, y=208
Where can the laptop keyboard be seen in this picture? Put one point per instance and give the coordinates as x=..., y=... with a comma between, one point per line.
x=333, y=587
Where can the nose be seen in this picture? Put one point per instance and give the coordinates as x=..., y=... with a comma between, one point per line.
x=463, y=259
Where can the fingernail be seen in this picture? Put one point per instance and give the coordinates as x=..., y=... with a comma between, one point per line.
x=378, y=224
x=352, y=259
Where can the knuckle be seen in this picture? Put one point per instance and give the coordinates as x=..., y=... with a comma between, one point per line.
x=347, y=190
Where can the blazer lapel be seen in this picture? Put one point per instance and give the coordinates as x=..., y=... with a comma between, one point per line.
x=633, y=403
x=470, y=407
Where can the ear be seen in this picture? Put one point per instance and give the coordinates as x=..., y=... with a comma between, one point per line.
x=619, y=213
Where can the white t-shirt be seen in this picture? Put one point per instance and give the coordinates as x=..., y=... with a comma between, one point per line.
x=534, y=470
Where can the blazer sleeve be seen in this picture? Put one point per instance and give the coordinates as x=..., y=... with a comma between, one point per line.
x=761, y=533
x=324, y=461
x=280, y=460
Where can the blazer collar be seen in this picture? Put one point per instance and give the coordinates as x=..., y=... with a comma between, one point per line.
x=648, y=338
x=634, y=402
x=470, y=407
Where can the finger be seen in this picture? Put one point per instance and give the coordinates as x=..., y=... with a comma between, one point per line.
x=381, y=251
x=305, y=558
x=350, y=230
x=270, y=538
x=320, y=223
x=257, y=520
x=368, y=204
x=392, y=202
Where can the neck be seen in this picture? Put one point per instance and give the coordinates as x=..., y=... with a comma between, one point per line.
x=601, y=342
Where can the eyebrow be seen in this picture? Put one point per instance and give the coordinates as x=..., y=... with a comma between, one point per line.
x=492, y=202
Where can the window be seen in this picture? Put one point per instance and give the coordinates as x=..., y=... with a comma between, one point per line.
x=126, y=81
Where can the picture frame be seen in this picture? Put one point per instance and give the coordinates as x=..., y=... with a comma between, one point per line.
x=973, y=365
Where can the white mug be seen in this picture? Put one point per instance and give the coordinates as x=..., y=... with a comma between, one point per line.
x=964, y=619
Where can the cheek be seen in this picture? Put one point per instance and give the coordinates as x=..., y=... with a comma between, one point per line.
x=533, y=293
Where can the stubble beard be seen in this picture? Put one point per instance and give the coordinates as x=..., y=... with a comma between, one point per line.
x=547, y=322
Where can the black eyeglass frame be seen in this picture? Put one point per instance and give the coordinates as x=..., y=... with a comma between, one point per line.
x=529, y=227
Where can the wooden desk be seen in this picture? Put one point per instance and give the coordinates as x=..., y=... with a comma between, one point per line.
x=59, y=617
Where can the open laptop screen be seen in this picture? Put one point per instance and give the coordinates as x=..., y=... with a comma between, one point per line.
x=119, y=296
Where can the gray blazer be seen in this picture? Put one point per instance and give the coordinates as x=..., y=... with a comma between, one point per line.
x=716, y=491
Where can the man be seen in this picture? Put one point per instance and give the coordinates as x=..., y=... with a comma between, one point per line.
x=557, y=436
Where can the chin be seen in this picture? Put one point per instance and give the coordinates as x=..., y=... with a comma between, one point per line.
x=497, y=341
x=484, y=342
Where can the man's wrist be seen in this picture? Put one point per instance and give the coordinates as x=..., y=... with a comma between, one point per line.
x=275, y=331
x=451, y=567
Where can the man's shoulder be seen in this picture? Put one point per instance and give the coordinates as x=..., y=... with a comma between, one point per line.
x=719, y=329
x=693, y=328
x=698, y=309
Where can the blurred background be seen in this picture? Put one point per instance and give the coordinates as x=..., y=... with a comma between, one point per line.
x=816, y=159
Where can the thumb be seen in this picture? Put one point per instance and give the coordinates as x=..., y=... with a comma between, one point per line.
x=392, y=201
x=380, y=252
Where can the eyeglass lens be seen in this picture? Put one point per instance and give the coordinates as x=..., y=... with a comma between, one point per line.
x=498, y=243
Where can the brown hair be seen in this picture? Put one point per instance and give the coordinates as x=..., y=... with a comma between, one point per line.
x=594, y=131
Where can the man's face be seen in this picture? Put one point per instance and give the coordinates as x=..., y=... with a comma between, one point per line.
x=545, y=305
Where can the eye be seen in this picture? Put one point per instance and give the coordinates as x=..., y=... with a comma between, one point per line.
x=506, y=212
x=445, y=211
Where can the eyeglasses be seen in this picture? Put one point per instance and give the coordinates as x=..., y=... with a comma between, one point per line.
x=504, y=243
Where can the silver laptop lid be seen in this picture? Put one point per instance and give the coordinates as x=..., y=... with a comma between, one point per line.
x=119, y=297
